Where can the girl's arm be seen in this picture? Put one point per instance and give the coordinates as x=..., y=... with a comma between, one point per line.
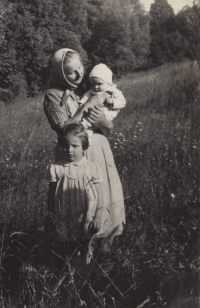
x=96, y=223
x=51, y=197
x=50, y=223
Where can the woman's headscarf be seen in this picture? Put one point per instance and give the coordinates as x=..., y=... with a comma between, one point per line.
x=57, y=75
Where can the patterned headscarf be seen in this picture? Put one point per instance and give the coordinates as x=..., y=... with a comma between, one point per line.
x=57, y=75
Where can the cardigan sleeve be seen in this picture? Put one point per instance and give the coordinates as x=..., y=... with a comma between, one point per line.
x=56, y=113
x=119, y=100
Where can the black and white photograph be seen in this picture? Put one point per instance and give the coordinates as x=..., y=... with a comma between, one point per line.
x=99, y=153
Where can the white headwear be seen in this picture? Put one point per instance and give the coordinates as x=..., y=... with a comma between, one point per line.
x=57, y=74
x=103, y=72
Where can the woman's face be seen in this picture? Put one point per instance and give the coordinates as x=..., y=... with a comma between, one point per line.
x=74, y=71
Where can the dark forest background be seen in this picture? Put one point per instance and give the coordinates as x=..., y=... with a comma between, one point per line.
x=118, y=33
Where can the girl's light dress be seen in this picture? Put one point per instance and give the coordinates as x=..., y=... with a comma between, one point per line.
x=76, y=196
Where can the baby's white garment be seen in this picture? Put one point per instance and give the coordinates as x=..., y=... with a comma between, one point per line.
x=118, y=100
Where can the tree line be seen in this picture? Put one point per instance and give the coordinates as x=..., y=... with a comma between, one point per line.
x=118, y=33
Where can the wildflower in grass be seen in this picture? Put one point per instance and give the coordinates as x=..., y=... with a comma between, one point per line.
x=173, y=196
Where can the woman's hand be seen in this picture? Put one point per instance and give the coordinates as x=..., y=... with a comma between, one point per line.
x=98, y=100
x=97, y=118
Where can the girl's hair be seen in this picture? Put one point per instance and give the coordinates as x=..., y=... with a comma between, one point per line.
x=77, y=130
x=69, y=56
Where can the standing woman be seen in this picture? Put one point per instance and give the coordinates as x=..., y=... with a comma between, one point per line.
x=62, y=108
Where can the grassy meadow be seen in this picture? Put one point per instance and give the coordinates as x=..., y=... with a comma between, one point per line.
x=155, y=143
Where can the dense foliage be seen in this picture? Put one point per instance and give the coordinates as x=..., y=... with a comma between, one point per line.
x=117, y=32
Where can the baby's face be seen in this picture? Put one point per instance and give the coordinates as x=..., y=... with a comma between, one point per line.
x=98, y=85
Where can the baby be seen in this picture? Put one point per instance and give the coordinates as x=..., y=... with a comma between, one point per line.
x=101, y=81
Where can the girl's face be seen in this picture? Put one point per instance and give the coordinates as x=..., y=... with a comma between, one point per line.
x=73, y=147
x=98, y=85
x=74, y=70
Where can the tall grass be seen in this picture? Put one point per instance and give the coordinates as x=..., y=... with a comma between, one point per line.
x=26, y=149
x=156, y=148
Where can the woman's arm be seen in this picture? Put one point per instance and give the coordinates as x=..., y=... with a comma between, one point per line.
x=98, y=117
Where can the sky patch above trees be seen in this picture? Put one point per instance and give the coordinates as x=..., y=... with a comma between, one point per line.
x=177, y=5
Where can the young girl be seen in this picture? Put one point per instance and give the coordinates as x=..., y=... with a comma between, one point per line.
x=75, y=194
